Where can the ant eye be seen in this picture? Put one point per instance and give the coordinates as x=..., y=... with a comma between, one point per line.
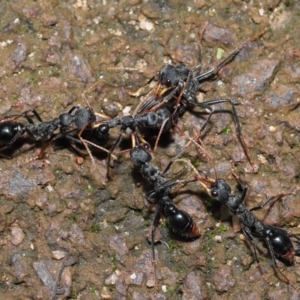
x=214, y=194
x=146, y=146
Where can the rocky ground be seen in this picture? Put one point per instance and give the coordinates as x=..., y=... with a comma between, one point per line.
x=67, y=234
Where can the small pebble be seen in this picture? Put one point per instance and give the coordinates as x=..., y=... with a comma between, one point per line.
x=112, y=279
x=79, y=160
x=146, y=25
x=57, y=254
x=17, y=236
x=105, y=293
x=150, y=283
x=218, y=238
x=242, y=237
x=126, y=110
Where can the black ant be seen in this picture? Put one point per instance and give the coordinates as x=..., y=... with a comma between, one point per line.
x=181, y=83
x=180, y=222
x=161, y=120
x=278, y=240
x=182, y=86
x=45, y=131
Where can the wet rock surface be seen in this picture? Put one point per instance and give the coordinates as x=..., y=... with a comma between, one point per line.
x=66, y=233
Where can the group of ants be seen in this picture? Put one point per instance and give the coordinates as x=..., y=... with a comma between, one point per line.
x=175, y=93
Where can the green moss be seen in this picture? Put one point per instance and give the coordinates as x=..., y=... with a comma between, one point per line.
x=73, y=218
x=113, y=260
x=226, y=130
x=164, y=223
x=209, y=202
x=288, y=3
x=95, y=228
x=14, y=97
x=114, y=267
x=196, y=164
x=89, y=189
x=222, y=228
x=55, y=74
x=172, y=245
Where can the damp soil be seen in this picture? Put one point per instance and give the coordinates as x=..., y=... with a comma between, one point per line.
x=66, y=233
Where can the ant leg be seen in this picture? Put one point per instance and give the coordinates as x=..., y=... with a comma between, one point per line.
x=271, y=199
x=160, y=133
x=75, y=107
x=36, y=114
x=207, y=189
x=191, y=140
x=157, y=101
x=235, y=117
x=44, y=147
x=24, y=115
x=248, y=235
x=214, y=71
x=111, y=150
x=139, y=91
x=183, y=88
x=84, y=142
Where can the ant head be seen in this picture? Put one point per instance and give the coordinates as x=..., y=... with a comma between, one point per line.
x=168, y=76
x=101, y=133
x=220, y=190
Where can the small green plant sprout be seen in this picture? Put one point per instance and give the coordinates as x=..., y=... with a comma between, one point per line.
x=95, y=228
x=221, y=228
x=164, y=223
x=220, y=52
x=226, y=130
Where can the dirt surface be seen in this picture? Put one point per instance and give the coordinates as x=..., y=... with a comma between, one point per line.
x=64, y=234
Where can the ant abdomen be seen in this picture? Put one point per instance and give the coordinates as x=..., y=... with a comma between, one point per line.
x=281, y=242
x=180, y=221
x=8, y=130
